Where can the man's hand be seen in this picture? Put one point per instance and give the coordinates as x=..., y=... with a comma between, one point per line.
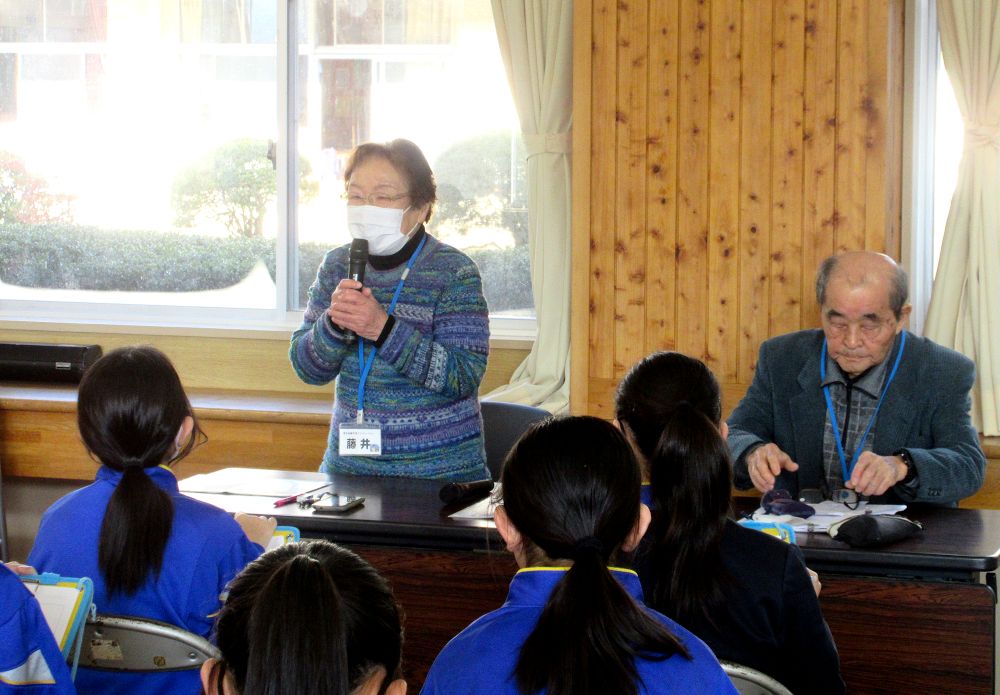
x=765, y=463
x=357, y=310
x=874, y=474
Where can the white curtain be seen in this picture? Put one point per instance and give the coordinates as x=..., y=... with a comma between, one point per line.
x=536, y=41
x=965, y=304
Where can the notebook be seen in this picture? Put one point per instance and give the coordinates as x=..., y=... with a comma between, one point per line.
x=65, y=604
x=283, y=535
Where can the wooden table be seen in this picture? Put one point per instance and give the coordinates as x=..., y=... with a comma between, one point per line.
x=917, y=617
x=445, y=572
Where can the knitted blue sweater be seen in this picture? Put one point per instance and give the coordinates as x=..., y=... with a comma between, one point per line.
x=424, y=384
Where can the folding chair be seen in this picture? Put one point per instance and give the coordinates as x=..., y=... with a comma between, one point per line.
x=750, y=681
x=126, y=643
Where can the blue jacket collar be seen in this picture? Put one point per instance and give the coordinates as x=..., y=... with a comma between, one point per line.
x=162, y=476
x=532, y=586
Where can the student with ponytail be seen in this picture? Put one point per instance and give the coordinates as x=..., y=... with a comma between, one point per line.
x=572, y=625
x=150, y=551
x=748, y=595
x=308, y=617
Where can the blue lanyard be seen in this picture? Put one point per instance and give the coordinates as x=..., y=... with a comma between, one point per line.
x=833, y=415
x=367, y=363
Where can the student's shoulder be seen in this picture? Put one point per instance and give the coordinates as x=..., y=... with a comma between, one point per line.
x=756, y=559
x=753, y=543
x=13, y=595
x=699, y=673
x=206, y=519
x=487, y=644
x=79, y=501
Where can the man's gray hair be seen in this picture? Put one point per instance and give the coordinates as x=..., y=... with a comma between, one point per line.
x=898, y=284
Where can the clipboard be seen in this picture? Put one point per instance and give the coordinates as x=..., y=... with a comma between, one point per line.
x=283, y=535
x=66, y=602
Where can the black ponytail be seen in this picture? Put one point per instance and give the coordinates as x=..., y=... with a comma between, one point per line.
x=308, y=617
x=296, y=633
x=130, y=408
x=134, y=533
x=571, y=487
x=670, y=405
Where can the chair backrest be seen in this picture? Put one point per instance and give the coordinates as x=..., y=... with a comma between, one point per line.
x=503, y=423
x=750, y=681
x=125, y=643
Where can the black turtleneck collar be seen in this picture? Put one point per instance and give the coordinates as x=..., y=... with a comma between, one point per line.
x=401, y=256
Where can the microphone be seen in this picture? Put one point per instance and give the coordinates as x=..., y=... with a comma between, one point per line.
x=357, y=260
x=465, y=492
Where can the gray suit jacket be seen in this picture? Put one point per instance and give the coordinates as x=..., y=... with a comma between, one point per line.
x=926, y=412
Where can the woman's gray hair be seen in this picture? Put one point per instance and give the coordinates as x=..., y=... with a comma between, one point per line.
x=898, y=283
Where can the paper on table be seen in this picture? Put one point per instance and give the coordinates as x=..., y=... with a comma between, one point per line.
x=223, y=483
x=483, y=509
x=827, y=513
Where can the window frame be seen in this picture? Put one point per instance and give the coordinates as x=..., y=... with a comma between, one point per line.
x=921, y=48
x=44, y=315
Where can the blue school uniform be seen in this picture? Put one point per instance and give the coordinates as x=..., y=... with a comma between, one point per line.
x=646, y=495
x=206, y=549
x=30, y=660
x=482, y=658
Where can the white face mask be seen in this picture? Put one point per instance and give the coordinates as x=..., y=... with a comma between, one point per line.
x=380, y=226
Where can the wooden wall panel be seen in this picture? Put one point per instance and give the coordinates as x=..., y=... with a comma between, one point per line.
x=854, y=108
x=819, y=143
x=727, y=146
x=603, y=157
x=724, y=192
x=661, y=162
x=691, y=298
x=755, y=186
x=787, y=80
x=630, y=189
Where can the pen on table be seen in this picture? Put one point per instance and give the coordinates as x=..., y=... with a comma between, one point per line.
x=286, y=500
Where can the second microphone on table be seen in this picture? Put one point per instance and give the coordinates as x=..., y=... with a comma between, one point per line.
x=356, y=262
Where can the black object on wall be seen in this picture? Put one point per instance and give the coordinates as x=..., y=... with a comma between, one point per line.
x=46, y=362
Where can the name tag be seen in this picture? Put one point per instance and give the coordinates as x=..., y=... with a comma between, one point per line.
x=360, y=440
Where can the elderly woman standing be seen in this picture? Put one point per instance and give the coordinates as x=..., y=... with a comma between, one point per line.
x=407, y=385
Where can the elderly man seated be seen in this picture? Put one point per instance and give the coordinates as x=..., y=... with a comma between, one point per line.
x=861, y=407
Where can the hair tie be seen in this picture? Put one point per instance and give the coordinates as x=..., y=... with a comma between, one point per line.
x=132, y=462
x=588, y=545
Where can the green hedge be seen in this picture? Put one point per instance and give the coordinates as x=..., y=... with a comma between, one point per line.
x=506, y=277
x=67, y=256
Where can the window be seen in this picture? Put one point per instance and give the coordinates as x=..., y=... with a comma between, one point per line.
x=949, y=141
x=921, y=59
x=145, y=150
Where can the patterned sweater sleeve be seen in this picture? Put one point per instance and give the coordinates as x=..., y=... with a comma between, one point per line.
x=318, y=347
x=452, y=360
